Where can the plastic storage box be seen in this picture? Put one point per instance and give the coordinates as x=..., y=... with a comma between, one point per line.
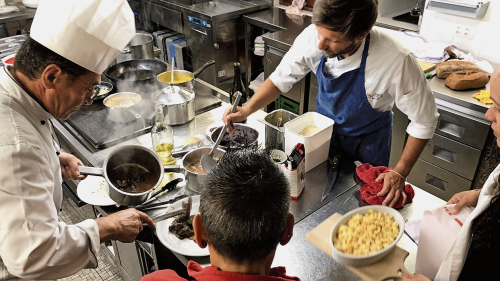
x=317, y=145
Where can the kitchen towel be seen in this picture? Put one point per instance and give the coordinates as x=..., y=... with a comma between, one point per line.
x=439, y=230
x=483, y=96
x=367, y=173
x=295, y=8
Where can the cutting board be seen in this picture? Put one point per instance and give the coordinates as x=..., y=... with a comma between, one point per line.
x=426, y=66
x=383, y=269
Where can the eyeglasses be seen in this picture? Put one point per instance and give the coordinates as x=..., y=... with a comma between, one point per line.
x=94, y=89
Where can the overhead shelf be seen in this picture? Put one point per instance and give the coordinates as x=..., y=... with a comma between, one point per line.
x=466, y=8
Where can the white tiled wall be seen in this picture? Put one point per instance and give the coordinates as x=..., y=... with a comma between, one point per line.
x=440, y=27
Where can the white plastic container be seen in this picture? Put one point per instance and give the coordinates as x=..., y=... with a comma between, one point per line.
x=317, y=145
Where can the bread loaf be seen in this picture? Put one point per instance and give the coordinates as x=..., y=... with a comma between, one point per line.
x=466, y=79
x=448, y=67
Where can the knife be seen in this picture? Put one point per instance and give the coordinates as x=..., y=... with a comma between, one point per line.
x=332, y=177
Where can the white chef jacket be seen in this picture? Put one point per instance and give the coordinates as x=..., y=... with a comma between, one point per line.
x=453, y=263
x=392, y=74
x=34, y=244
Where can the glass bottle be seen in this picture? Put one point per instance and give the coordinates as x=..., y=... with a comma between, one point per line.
x=162, y=137
x=238, y=85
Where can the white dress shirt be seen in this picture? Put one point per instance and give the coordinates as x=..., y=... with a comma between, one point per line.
x=392, y=74
x=34, y=244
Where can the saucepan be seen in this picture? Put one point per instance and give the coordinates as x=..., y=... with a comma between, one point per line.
x=122, y=106
x=136, y=75
x=132, y=172
x=177, y=103
x=182, y=78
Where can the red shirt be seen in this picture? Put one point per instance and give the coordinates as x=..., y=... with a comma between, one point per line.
x=212, y=273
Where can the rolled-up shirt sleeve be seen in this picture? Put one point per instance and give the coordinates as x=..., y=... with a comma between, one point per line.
x=33, y=243
x=302, y=58
x=413, y=96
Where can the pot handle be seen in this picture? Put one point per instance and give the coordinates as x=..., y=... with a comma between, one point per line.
x=180, y=153
x=172, y=169
x=199, y=70
x=135, y=113
x=93, y=171
x=126, y=50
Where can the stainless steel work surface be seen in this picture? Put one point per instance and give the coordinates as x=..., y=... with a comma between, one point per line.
x=23, y=14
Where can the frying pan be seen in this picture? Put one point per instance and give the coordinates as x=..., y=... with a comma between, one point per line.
x=136, y=75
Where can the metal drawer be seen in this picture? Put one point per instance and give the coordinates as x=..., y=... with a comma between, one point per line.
x=166, y=17
x=452, y=156
x=199, y=41
x=462, y=128
x=437, y=181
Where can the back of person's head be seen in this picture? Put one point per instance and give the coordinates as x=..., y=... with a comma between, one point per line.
x=244, y=205
x=352, y=18
x=32, y=58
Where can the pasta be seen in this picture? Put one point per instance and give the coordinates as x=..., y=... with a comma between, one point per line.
x=366, y=234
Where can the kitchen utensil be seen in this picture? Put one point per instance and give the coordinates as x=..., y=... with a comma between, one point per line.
x=177, y=102
x=275, y=133
x=140, y=160
x=186, y=246
x=169, y=186
x=383, y=269
x=332, y=178
x=121, y=107
x=136, y=75
x=193, y=142
x=140, y=47
x=242, y=136
x=350, y=260
x=207, y=160
x=104, y=89
x=182, y=78
x=278, y=124
x=186, y=210
x=158, y=205
x=357, y=181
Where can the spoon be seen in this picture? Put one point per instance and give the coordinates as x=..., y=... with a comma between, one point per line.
x=278, y=124
x=207, y=160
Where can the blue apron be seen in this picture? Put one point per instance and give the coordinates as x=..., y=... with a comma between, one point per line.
x=359, y=130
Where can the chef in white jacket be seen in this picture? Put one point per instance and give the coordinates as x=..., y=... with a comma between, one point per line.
x=55, y=72
x=475, y=254
x=362, y=72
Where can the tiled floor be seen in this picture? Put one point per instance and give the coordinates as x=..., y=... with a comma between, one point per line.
x=105, y=270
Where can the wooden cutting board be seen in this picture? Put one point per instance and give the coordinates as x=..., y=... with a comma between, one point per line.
x=426, y=66
x=383, y=269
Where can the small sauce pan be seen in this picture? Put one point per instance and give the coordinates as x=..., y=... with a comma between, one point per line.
x=120, y=107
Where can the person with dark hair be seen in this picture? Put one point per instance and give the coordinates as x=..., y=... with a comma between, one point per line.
x=56, y=70
x=362, y=72
x=476, y=251
x=243, y=217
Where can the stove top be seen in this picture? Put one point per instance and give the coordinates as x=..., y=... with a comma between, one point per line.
x=92, y=123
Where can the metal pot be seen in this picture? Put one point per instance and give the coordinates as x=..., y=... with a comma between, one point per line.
x=243, y=136
x=136, y=75
x=177, y=102
x=182, y=78
x=137, y=159
x=196, y=180
x=140, y=47
x=120, y=107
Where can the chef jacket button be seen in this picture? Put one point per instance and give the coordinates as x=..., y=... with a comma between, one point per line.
x=60, y=210
x=43, y=122
x=57, y=153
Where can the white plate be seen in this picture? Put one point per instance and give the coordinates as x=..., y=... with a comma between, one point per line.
x=94, y=190
x=8, y=9
x=31, y=3
x=185, y=246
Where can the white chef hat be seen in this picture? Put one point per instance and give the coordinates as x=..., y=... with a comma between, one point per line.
x=90, y=33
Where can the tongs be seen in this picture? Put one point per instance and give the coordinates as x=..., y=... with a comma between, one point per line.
x=186, y=210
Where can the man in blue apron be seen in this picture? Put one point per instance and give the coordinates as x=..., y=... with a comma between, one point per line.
x=362, y=72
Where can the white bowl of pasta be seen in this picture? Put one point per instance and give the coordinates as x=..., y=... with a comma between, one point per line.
x=366, y=235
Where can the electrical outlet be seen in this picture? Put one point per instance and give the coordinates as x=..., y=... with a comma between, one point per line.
x=465, y=31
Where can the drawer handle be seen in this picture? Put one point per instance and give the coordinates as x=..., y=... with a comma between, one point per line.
x=444, y=154
x=199, y=31
x=436, y=182
x=450, y=128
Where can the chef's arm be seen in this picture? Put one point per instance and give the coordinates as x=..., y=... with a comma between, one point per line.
x=266, y=94
x=411, y=152
x=123, y=226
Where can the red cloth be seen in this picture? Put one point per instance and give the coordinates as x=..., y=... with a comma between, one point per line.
x=212, y=273
x=367, y=173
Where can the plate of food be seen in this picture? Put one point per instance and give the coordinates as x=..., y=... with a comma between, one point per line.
x=94, y=190
x=174, y=232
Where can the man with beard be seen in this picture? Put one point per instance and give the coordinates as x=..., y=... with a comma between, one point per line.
x=362, y=72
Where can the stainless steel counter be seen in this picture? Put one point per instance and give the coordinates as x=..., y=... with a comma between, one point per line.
x=24, y=12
